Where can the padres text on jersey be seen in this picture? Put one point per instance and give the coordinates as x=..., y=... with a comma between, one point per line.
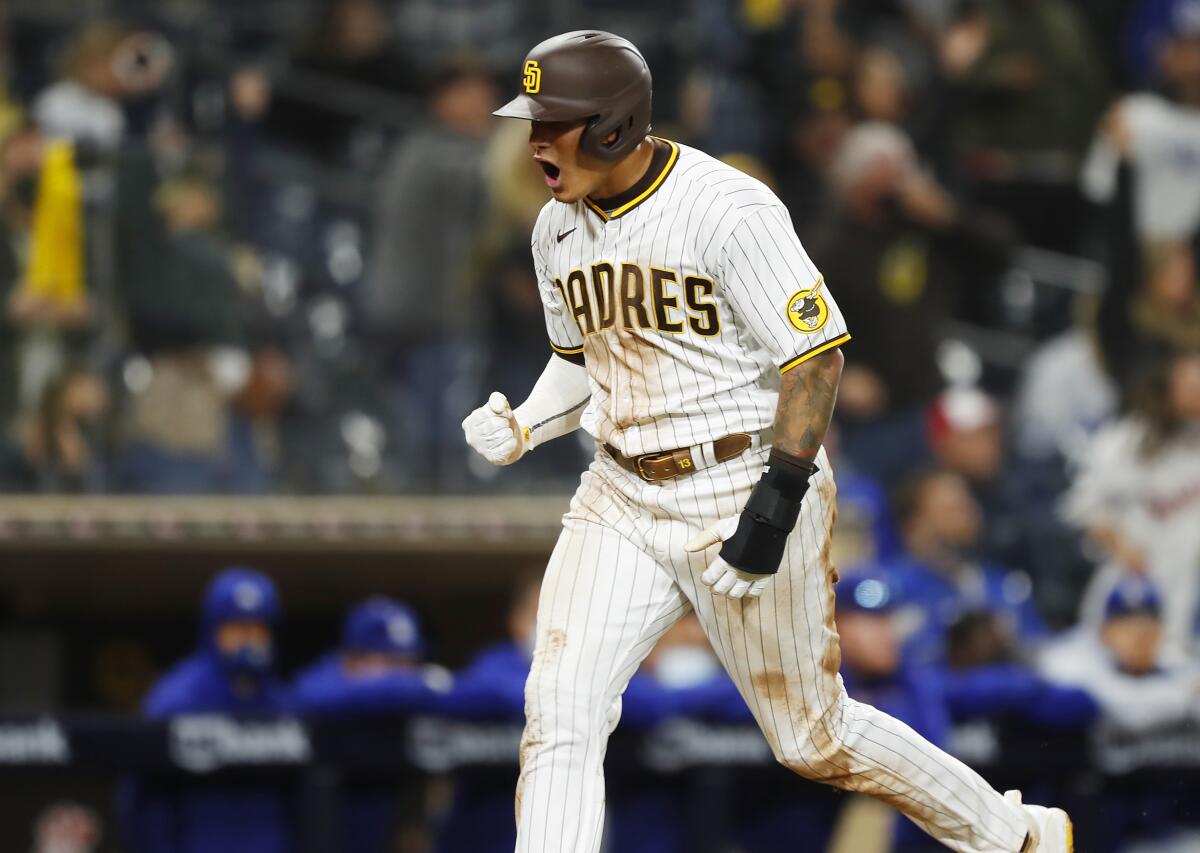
x=685, y=297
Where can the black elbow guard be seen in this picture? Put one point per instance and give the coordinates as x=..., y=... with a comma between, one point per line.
x=769, y=516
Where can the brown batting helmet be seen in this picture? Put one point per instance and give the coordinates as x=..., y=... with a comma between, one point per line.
x=592, y=75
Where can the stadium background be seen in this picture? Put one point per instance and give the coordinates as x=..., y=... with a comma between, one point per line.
x=259, y=259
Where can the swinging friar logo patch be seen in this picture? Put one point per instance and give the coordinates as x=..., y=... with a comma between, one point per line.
x=807, y=311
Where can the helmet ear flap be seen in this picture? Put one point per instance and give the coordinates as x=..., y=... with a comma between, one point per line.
x=597, y=130
x=628, y=131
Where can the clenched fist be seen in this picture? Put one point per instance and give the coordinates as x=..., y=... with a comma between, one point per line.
x=493, y=432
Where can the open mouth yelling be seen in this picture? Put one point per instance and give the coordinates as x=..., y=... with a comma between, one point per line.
x=552, y=174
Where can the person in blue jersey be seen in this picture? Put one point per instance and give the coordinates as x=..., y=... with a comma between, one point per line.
x=682, y=678
x=651, y=812
x=231, y=672
x=491, y=689
x=939, y=577
x=878, y=669
x=986, y=678
x=377, y=671
x=874, y=663
x=1008, y=720
x=379, y=668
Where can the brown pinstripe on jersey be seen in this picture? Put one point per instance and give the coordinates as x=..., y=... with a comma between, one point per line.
x=679, y=303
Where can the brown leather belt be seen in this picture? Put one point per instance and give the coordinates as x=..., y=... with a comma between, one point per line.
x=669, y=464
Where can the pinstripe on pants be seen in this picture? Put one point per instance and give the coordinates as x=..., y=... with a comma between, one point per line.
x=619, y=577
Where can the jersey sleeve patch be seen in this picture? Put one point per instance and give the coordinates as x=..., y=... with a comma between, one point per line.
x=806, y=310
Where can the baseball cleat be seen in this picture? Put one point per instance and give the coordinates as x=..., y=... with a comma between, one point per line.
x=1050, y=830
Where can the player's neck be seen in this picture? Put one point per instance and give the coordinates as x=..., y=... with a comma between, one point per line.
x=627, y=172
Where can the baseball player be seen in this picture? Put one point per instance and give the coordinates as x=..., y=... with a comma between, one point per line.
x=696, y=342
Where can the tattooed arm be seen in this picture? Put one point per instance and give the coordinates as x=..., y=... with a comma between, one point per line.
x=806, y=405
x=753, y=543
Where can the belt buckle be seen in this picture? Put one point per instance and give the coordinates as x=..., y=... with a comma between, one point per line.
x=646, y=457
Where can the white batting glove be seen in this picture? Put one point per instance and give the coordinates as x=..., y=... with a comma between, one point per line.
x=493, y=432
x=722, y=577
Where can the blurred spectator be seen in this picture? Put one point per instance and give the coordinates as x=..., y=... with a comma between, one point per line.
x=809, y=145
x=1149, y=699
x=680, y=678
x=52, y=292
x=939, y=577
x=1030, y=87
x=51, y=400
x=1064, y=396
x=721, y=113
x=67, y=827
x=897, y=253
x=480, y=815
x=377, y=671
x=232, y=671
x=1168, y=307
x=51, y=407
x=1149, y=30
x=62, y=444
x=1138, y=493
x=876, y=670
x=874, y=666
x=1005, y=713
x=881, y=88
x=863, y=506
x=1158, y=133
x=966, y=433
x=418, y=300
x=84, y=106
x=1124, y=663
x=986, y=678
x=345, y=69
x=183, y=432
x=1154, y=295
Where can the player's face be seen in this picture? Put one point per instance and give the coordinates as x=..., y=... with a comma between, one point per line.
x=569, y=173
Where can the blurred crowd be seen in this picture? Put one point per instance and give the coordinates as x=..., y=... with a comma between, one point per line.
x=1086, y=719
x=285, y=249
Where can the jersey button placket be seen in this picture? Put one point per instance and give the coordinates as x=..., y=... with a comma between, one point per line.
x=623, y=400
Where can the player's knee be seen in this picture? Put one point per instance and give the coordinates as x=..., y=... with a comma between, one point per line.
x=818, y=752
x=558, y=713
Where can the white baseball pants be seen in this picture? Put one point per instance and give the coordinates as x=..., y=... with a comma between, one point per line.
x=619, y=577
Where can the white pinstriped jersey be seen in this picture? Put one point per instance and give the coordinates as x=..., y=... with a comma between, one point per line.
x=685, y=299
x=686, y=302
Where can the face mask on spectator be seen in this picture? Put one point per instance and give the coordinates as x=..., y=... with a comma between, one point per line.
x=245, y=648
x=685, y=666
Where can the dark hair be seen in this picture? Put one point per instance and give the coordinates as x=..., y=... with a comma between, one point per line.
x=1148, y=396
x=979, y=638
x=906, y=497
